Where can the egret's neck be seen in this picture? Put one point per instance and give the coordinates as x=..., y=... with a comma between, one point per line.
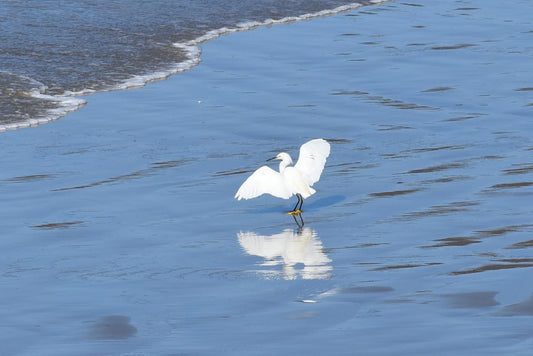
x=283, y=164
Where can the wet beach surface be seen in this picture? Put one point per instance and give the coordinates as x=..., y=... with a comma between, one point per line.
x=121, y=235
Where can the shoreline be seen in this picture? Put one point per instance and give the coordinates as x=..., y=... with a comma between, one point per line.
x=71, y=101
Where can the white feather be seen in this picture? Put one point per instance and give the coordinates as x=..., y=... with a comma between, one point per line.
x=312, y=159
x=265, y=180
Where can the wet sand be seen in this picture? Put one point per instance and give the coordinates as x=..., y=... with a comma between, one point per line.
x=121, y=235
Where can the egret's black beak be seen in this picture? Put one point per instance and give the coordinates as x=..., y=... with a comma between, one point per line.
x=271, y=159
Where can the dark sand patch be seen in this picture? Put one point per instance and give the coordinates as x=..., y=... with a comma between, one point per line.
x=511, y=185
x=492, y=267
x=438, y=148
x=394, y=127
x=519, y=309
x=478, y=236
x=112, y=327
x=523, y=168
x=437, y=89
x=393, y=193
x=437, y=210
x=453, y=241
x=404, y=266
x=57, y=225
x=143, y=173
x=471, y=299
x=446, y=179
x=438, y=168
x=457, y=46
x=29, y=178
x=519, y=245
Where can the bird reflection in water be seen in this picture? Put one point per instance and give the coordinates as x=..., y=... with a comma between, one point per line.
x=289, y=249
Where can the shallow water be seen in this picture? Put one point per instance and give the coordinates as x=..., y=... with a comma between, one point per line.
x=53, y=51
x=124, y=238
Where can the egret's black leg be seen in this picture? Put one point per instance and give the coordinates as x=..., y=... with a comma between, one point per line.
x=297, y=210
x=298, y=202
x=301, y=202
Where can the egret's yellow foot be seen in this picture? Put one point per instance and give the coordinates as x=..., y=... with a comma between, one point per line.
x=295, y=212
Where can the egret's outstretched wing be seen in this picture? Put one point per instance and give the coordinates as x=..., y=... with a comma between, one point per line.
x=312, y=159
x=264, y=180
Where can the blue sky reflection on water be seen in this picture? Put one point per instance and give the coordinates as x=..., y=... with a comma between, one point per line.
x=124, y=237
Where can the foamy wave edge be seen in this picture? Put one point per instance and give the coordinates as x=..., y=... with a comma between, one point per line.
x=68, y=102
x=193, y=52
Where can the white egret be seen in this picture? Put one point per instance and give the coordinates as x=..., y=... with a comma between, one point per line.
x=290, y=180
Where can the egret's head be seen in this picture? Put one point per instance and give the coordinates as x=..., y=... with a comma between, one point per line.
x=284, y=157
